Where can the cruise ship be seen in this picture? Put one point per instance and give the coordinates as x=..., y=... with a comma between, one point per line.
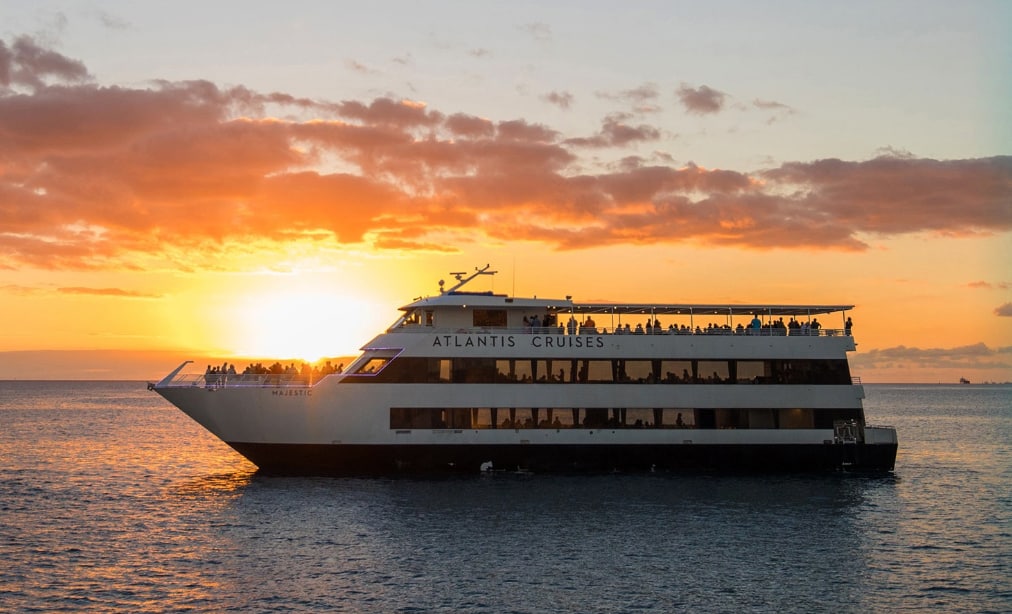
x=470, y=382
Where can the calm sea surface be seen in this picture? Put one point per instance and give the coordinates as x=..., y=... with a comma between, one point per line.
x=112, y=500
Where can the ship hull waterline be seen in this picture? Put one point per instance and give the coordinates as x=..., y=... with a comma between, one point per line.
x=393, y=459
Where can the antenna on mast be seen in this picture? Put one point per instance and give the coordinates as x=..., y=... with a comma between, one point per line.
x=461, y=280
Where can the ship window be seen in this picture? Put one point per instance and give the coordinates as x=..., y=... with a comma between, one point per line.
x=641, y=417
x=595, y=371
x=561, y=370
x=517, y=418
x=522, y=371
x=634, y=371
x=415, y=418
x=373, y=365
x=489, y=318
x=473, y=370
x=676, y=371
x=563, y=418
x=796, y=419
x=458, y=418
x=713, y=371
x=751, y=371
x=762, y=419
x=732, y=418
x=505, y=370
x=481, y=418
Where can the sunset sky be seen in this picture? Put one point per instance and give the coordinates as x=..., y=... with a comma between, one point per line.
x=224, y=179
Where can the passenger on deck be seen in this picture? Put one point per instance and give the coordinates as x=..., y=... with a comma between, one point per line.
x=847, y=326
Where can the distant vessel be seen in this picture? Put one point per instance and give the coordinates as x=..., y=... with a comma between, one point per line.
x=476, y=381
x=963, y=380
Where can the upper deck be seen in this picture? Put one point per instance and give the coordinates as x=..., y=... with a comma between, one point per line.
x=485, y=311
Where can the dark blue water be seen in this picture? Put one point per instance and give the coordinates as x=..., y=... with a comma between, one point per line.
x=111, y=500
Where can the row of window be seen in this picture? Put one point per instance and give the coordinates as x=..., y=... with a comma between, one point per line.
x=490, y=370
x=592, y=418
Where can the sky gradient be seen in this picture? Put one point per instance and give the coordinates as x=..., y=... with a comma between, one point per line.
x=213, y=180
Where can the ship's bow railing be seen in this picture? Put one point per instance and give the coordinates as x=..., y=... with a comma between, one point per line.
x=215, y=381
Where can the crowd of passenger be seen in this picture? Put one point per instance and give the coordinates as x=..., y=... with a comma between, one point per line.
x=215, y=376
x=548, y=325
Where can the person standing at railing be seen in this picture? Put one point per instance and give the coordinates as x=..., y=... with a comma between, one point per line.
x=847, y=326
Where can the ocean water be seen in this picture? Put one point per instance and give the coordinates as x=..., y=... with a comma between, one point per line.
x=112, y=500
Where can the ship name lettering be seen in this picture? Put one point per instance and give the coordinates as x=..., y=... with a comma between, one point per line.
x=567, y=341
x=472, y=341
x=297, y=392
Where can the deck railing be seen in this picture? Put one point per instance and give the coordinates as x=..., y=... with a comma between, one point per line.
x=620, y=330
x=244, y=380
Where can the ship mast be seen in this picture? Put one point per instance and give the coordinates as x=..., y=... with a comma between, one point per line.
x=459, y=276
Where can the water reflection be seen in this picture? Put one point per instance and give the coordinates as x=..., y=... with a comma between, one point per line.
x=230, y=484
x=593, y=542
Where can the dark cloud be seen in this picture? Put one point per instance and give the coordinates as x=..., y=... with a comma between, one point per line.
x=1002, y=285
x=541, y=32
x=563, y=100
x=638, y=95
x=615, y=132
x=771, y=105
x=976, y=356
x=641, y=100
x=701, y=100
x=1004, y=311
x=28, y=64
x=110, y=21
x=94, y=176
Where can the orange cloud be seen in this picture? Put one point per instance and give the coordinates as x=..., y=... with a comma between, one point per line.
x=105, y=292
x=94, y=176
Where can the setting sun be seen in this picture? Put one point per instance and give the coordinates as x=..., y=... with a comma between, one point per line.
x=295, y=320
